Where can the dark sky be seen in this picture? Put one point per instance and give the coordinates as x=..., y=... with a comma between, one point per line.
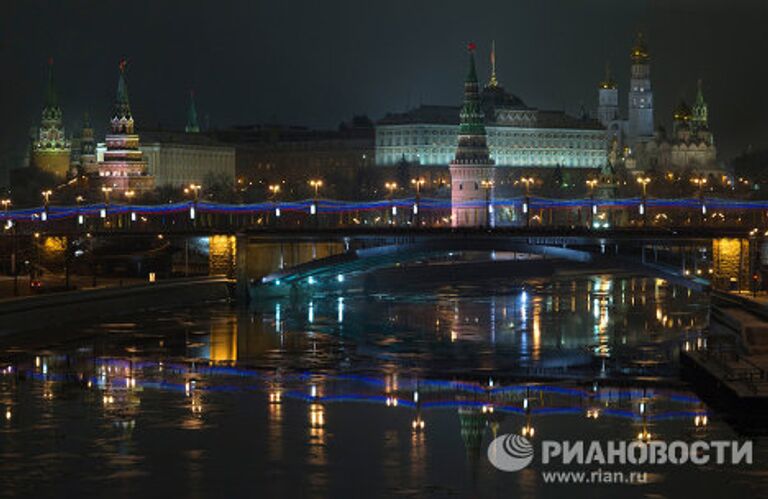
x=318, y=62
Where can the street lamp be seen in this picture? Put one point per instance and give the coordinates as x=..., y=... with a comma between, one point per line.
x=46, y=196
x=391, y=187
x=6, y=204
x=316, y=184
x=591, y=184
x=106, y=191
x=528, y=181
x=488, y=185
x=129, y=196
x=274, y=189
x=417, y=183
x=700, y=182
x=80, y=218
x=644, y=181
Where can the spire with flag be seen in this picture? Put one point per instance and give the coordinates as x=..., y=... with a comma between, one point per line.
x=192, y=123
x=122, y=119
x=493, y=82
x=51, y=98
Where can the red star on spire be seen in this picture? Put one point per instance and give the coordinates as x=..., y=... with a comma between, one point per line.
x=50, y=61
x=471, y=46
x=122, y=64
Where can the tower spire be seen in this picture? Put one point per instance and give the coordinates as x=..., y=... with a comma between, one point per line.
x=122, y=119
x=51, y=98
x=700, y=110
x=493, y=82
x=192, y=124
x=608, y=82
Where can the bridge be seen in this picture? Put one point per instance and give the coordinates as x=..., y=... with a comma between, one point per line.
x=527, y=211
x=273, y=263
x=697, y=242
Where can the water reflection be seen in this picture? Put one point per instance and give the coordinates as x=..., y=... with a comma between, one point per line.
x=342, y=391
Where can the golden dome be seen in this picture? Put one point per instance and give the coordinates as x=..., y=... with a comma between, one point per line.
x=640, y=50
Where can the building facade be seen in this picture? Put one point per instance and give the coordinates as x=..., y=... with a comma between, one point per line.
x=180, y=159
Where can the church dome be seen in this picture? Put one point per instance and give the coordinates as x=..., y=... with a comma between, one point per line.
x=496, y=97
x=639, y=52
x=682, y=112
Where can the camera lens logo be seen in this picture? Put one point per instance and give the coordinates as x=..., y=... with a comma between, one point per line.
x=510, y=452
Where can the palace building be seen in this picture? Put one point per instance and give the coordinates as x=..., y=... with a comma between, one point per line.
x=518, y=135
x=50, y=148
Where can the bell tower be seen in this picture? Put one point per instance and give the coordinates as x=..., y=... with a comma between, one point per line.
x=640, y=94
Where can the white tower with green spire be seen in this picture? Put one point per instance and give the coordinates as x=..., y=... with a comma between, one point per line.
x=472, y=170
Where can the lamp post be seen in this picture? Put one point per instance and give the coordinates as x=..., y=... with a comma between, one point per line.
x=129, y=196
x=195, y=189
x=6, y=206
x=315, y=184
x=391, y=187
x=274, y=190
x=47, y=197
x=644, y=181
x=488, y=185
x=106, y=191
x=527, y=181
x=591, y=183
x=700, y=182
x=417, y=183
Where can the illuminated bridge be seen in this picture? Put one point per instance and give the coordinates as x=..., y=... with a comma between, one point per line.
x=597, y=214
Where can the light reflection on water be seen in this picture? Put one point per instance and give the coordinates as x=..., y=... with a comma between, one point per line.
x=281, y=401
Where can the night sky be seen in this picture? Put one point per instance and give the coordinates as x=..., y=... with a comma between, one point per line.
x=319, y=62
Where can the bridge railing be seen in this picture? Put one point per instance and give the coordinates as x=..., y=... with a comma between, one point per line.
x=599, y=213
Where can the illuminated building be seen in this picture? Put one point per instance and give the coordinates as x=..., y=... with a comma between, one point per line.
x=472, y=170
x=184, y=158
x=123, y=166
x=641, y=147
x=518, y=135
x=50, y=148
x=691, y=147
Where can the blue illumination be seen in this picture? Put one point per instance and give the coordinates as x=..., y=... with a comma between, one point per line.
x=327, y=206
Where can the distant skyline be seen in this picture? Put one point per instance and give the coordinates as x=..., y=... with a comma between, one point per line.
x=318, y=63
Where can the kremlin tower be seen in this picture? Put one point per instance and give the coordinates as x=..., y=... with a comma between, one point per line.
x=472, y=170
x=123, y=167
x=50, y=149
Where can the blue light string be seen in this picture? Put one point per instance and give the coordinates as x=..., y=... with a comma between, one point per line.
x=330, y=206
